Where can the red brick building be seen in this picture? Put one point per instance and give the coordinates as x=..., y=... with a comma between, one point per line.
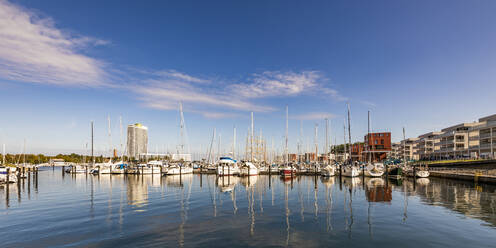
x=378, y=145
x=357, y=151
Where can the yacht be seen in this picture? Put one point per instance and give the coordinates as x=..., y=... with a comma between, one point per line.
x=3, y=175
x=288, y=171
x=227, y=166
x=118, y=168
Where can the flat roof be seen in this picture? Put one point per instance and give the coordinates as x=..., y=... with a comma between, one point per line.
x=488, y=118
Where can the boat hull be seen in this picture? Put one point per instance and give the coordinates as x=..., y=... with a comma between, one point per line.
x=422, y=173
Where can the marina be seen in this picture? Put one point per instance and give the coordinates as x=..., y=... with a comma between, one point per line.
x=53, y=208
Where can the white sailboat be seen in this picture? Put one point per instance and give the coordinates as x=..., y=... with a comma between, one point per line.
x=373, y=171
x=248, y=169
x=376, y=169
x=351, y=171
x=328, y=171
x=178, y=169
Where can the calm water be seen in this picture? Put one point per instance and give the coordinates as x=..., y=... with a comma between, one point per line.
x=203, y=211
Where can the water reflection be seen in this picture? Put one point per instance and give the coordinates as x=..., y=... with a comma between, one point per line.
x=193, y=210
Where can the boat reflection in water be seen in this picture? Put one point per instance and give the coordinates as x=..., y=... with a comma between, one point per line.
x=352, y=182
x=178, y=180
x=377, y=191
x=227, y=183
x=210, y=211
x=249, y=181
x=423, y=181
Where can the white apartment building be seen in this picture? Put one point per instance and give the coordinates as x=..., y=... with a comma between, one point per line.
x=454, y=141
x=426, y=145
x=484, y=141
x=408, y=149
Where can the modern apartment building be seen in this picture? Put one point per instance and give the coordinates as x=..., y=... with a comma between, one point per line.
x=408, y=149
x=483, y=138
x=377, y=146
x=137, y=140
x=454, y=141
x=426, y=145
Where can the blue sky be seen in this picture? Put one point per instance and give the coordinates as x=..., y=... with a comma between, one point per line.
x=424, y=65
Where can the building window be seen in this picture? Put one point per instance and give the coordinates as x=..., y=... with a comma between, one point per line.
x=375, y=142
x=382, y=142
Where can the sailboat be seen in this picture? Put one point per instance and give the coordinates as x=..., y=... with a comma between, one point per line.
x=328, y=171
x=287, y=170
x=248, y=169
x=178, y=169
x=422, y=172
x=349, y=170
x=372, y=169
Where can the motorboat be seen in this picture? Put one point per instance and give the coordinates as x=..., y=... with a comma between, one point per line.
x=395, y=172
x=79, y=169
x=227, y=166
x=118, y=168
x=274, y=168
x=288, y=171
x=12, y=178
x=248, y=169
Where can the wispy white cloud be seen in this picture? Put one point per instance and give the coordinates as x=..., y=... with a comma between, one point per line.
x=313, y=116
x=270, y=84
x=164, y=92
x=173, y=74
x=168, y=87
x=368, y=103
x=33, y=50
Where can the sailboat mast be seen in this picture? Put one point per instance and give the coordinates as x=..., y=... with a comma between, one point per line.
x=344, y=136
x=315, y=140
x=368, y=135
x=234, y=142
x=3, y=155
x=251, y=138
x=120, y=136
x=92, y=145
x=349, y=125
x=404, y=147
x=286, y=148
x=210, y=150
x=326, y=140
x=181, y=127
x=24, y=154
x=110, y=136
